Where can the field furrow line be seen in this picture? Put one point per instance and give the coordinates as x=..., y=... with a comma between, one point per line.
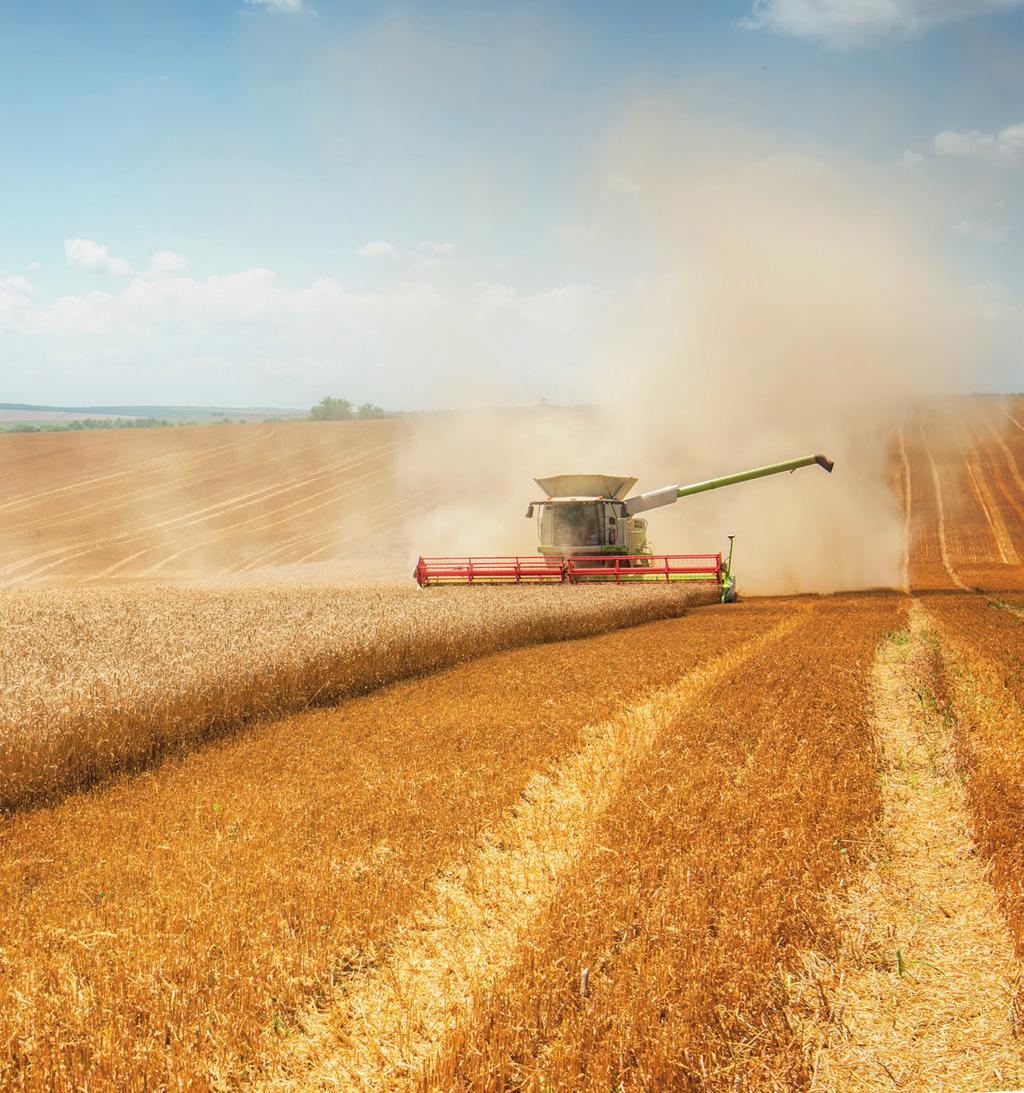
x=907, y=509
x=921, y=993
x=142, y=492
x=384, y=1025
x=341, y=492
x=989, y=506
x=940, y=516
x=982, y=646
x=179, y=523
x=173, y=458
x=1014, y=497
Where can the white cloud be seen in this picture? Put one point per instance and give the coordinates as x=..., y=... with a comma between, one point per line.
x=431, y=254
x=94, y=257
x=16, y=304
x=562, y=310
x=412, y=343
x=1006, y=146
x=911, y=159
x=844, y=23
x=16, y=285
x=166, y=263
x=33, y=265
x=284, y=7
x=379, y=248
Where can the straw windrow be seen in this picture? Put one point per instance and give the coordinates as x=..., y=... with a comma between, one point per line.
x=920, y=996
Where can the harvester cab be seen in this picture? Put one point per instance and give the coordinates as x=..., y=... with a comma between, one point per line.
x=589, y=529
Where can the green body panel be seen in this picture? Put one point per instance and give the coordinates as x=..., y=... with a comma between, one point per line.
x=600, y=549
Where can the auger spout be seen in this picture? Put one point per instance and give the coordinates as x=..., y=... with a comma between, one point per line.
x=669, y=494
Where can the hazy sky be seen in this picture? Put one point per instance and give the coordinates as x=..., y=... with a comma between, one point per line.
x=257, y=202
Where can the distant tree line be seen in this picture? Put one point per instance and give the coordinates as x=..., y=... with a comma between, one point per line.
x=343, y=409
x=85, y=423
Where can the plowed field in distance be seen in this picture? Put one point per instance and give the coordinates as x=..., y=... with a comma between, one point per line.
x=962, y=470
x=284, y=834
x=206, y=500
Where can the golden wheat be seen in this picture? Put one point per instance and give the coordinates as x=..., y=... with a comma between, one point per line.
x=106, y=680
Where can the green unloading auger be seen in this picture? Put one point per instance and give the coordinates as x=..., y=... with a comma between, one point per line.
x=668, y=494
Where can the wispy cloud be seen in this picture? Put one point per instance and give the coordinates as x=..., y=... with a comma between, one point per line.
x=94, y=257
x=845, y=23
x=284, y=7
x=166, y=263
x=379, y=248
x=1006, y=146
x=293, y=342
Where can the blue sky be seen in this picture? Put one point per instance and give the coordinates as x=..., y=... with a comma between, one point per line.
x=259, y=202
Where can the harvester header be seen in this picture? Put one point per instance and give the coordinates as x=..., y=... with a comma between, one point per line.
x=590, y=530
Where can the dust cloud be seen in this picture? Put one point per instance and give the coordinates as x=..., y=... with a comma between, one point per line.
x=796, y=307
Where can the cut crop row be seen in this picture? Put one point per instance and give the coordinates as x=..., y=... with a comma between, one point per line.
x=662, y=961
x=983, y=692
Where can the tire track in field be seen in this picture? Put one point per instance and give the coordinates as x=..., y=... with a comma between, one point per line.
x=984, y=472
x=921, y=994
x=907, y=510
x=336, y=494
x=979, y=539
x=176, y=485
x=393, y=1016
x=187, y=469
x=940, y=516
x=181, y=522
x=990, y=507
x=411, y=504
x=1015, y=499
x=35, y=496
x=264, y=521
x=91, y=543
x=340, y=492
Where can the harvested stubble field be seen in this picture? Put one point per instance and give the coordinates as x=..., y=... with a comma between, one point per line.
x=184, y=502
x=702, y=882
x=250, y=841
x=982, y=693
x=964, y=466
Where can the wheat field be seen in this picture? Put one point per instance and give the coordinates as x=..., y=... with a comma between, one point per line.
x=262, y=829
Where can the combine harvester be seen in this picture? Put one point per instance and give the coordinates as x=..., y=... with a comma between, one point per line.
x=590, y=531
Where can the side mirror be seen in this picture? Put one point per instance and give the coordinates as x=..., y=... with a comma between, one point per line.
x=529, y=511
